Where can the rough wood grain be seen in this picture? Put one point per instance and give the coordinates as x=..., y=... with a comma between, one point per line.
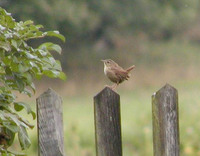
x=165, y=122
x=50, y=124
x=107, y=123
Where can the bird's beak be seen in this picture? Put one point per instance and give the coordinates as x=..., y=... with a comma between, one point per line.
x=103, y=60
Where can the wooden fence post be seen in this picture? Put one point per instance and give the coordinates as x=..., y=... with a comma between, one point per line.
x=165, y=122
x=50, y=124
x=107, y=123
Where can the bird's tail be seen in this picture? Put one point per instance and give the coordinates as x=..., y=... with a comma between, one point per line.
x=130, y=68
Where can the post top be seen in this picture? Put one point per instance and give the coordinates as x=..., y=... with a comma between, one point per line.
x=49, y=91
x=167, y=87
x=106, y=90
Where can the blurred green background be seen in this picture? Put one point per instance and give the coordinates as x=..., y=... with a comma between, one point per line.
x=161, y=37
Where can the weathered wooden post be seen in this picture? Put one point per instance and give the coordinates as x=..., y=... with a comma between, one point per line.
x=107, y=123
x=165, y=122
x=50, y=124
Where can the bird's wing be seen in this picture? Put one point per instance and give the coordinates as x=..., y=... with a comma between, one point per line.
x=120, y=73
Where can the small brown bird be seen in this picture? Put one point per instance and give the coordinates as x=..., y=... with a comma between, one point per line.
x=116, y=73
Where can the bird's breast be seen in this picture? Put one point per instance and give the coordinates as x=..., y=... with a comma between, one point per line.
x=110, y=74
x=105, y=70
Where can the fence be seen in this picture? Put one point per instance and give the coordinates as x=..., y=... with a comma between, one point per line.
x=108, y=123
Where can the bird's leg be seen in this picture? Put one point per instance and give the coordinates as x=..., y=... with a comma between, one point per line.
x=115, y=86
x=109, y=86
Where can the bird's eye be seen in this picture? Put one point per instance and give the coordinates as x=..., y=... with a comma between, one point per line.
x=108, y=61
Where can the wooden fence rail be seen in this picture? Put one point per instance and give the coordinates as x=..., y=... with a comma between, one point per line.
x=107, y=122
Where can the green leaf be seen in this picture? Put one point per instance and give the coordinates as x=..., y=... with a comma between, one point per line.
x=14, y=43
x=55, y=34
x=14, y=118
x=51, y=74
x=51, y=46
x=18, y=106
x=28, y=22
x=28, y=77
x=5, y=46
x=18, y=67
x=7, y=60
x=30, y=56
x=21, y=105
x=20, y=84
x=23, y=138
x=38, y=76
x=14, y=153
x=22, y=68
x=8, y=71
x=27, y=92
x=43, y=52
x=62, y=76
x=49, y=60
x=33, y=115
x=11, y=136
x=57, y=66
x=55, y=74
x=11, y=127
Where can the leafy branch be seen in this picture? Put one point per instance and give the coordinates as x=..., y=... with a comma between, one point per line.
x=20, y=64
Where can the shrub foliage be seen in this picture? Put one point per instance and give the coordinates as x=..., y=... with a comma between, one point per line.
x=20, y=64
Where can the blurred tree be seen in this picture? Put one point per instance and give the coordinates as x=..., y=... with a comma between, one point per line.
x=90, y=20
x=88, y=23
